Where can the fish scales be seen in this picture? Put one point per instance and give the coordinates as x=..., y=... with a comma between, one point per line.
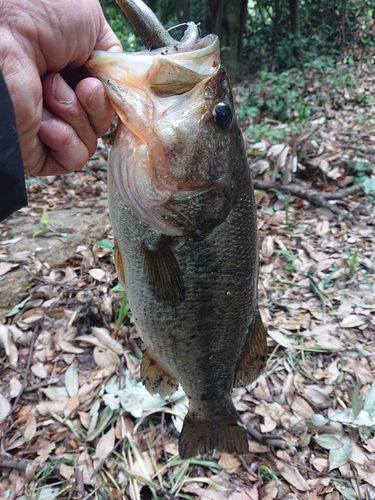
x=184, y=218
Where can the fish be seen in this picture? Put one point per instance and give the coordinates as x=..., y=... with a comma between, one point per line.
x=184, y=218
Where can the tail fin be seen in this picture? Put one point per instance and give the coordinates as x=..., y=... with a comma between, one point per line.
x=203, y=436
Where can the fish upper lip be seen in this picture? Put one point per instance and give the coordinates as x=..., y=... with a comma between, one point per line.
x=206, y=50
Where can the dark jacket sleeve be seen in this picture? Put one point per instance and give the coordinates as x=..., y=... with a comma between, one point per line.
x=12, y=181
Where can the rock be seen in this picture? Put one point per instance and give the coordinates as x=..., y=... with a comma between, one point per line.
x=66, y=230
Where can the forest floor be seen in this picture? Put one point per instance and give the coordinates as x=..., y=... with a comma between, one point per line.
x=75, y=423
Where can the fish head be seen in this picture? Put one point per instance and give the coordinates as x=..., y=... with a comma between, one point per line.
x=174, y=154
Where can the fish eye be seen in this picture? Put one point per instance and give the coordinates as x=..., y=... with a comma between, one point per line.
x=222, y=115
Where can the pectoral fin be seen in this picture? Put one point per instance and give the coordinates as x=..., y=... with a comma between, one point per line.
x=162, y=269
x=254, y=355
x=156, y=379
x=119, y=264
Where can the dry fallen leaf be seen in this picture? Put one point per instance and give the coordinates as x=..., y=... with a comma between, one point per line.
x=4, y=408
x=293, y=476
x=39, y=370
x=229, y=461
x=268, y=247
x=352, y=321
x=104, y=336
x=15, y=387
x=97, y=274
x=104, y=447
x=30, y=429
x=105, y=358
x=71, y=405
x=66, y=471
x=6, y=340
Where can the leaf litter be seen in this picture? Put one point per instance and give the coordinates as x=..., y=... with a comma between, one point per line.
x=76, y=422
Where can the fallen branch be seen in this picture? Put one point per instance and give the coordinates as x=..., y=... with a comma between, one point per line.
x=14, y=463
x=272, y=440
x=313, y=196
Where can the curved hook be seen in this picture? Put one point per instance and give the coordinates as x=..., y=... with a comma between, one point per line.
x=150, y=29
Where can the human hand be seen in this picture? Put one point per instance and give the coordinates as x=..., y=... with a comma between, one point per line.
x=57, y=126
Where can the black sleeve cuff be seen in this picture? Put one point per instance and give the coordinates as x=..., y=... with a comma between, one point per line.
x=12, y=181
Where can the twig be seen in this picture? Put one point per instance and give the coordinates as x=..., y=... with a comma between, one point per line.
x=313, y=196
x=14, y=463
x=162, y=423
x=266, y=438
x=343, y=193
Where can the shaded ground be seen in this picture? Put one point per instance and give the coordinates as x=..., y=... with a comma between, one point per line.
x=72, y=427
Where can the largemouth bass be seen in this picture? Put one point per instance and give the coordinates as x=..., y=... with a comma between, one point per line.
x=184, y=218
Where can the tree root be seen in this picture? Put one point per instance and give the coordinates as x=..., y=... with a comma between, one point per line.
x=314, y=196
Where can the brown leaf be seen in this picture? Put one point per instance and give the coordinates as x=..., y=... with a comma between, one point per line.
x=71, y=405
x=293, y=476
x=5, y=267
x=105, y=358
x=352, y=321
x=268, y=247
x=45, y=452
x=6, y=339
x=30, y=428
x=39, y=370
x=67, y=471
x=301, y=407
x=105, y=446
x=271, y=491
x=85, y=467
x=229, y=461
x=103, y=335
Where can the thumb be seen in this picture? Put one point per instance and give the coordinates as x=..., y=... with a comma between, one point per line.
x=107, y=40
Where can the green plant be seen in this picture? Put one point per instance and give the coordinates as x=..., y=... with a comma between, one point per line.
x=44, y=220
x=352, y=262
x=123, y=311
x=360, y=417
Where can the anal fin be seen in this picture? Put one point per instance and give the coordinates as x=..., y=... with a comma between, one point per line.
x=200, y=436
x=162, y=269
x=254, y=356
x=156, y=379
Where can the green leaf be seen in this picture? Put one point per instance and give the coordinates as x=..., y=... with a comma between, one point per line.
x=18, y=307
x=357, y=404
x=118, y=288
x=346, y=491
x=319, y=420
x=339, y=456
x=328, y=441
x=364, y=432
x=369, y=404
x=39, y=231
x=369, y=186
x=104, y=419
x=48, y=493
x=45, y=218
x=105, y=244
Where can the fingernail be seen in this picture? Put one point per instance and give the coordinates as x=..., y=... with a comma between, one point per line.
x=97, y=101
x=61, y=90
